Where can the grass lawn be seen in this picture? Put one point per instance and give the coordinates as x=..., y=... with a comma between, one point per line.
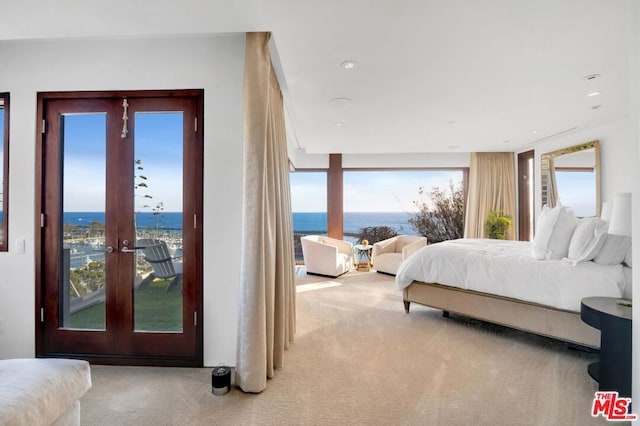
x=154, y=310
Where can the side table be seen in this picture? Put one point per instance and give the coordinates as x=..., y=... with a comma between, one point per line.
x=362, y=258
x=613, y=371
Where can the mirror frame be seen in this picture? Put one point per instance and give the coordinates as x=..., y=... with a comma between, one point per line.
x=545, y=168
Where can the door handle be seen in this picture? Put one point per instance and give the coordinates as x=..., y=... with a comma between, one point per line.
x=131, y=249
x=126, y=249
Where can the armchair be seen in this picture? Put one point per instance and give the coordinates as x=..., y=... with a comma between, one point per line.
x=388, y=254
x=326, y=256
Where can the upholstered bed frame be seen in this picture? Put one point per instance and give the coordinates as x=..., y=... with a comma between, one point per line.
x=534, y=318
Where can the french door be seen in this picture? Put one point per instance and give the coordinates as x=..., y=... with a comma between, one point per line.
x=120, y=250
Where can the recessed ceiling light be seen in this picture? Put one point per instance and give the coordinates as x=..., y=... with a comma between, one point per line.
x=349, y=65
x=595, y=106
x=506, y=141
x=596, y=93
x=591, y=76
x=339, y=123
x=453, y=146
x=339, y=101
x=534, y=131
x=451, y=121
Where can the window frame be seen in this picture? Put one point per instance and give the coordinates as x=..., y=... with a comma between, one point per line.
x=4, y=226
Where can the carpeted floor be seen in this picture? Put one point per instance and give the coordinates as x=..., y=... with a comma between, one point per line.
x=359, y=359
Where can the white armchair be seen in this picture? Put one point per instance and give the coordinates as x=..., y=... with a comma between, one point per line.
x=387, y=255
x=326, y=256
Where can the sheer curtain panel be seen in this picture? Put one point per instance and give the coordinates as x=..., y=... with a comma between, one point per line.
x=266, y=324
x=492, y=186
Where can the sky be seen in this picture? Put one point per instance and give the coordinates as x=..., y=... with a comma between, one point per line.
x=158, y=139
x=368, y=191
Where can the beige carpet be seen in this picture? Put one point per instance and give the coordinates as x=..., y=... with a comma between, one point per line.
x=359, y=359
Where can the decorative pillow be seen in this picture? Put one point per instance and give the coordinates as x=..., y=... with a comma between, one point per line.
x=587, y=240
x=614, y=250
x=554, y=230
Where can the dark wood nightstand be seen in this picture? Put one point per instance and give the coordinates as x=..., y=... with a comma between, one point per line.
x=613, y=372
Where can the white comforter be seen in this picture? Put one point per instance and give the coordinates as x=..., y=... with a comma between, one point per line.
x=506, y=268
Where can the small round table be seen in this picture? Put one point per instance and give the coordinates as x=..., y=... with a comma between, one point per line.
x=613, y=371
x=362, y=258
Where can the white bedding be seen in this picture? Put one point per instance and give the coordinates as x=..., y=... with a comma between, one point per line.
x=506, y=268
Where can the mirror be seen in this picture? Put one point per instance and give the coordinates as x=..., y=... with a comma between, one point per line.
x=572, y=177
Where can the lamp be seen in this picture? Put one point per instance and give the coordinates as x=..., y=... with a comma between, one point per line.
x=605, y=214
x=620, y=228
x=620, y=222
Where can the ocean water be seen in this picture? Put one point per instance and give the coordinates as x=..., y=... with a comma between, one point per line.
x=169, y=221
x=303, y=222
x=353, y=222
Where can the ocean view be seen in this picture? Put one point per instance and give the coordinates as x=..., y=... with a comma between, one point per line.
x=353, y=221
x=303, y=222
x=169, y=221
x=169, y=226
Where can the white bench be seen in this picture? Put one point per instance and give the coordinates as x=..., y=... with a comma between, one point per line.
x=42, y=391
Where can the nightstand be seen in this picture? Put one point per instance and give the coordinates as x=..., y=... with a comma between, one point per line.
x=613, y=371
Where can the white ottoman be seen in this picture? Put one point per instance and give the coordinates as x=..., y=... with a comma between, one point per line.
x=42, y=391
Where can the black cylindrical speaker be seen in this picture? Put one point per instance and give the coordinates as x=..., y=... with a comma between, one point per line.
x=221, y=380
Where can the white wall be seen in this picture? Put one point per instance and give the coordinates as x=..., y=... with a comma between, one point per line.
x=213, y=63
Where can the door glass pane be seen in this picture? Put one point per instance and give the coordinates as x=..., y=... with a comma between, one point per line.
x=82, y=261
x=158, y=221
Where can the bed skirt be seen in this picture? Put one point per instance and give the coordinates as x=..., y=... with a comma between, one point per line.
x=538, y=319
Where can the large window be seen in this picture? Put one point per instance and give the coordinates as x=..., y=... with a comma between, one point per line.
x=4, y=170
x=394, y=199
x=309, y=206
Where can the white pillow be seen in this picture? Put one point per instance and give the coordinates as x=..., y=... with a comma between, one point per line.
x=587, y=240
x=628, y=257
x=554, y=230
x=614, y=250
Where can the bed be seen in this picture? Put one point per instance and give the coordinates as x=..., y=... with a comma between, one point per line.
x=500, y=282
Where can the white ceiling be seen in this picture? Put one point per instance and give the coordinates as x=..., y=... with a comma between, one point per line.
x=432, y=76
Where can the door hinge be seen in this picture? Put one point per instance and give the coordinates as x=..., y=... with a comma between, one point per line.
x=41, y=314
x=42, y=220
x=195, y=124
x=195, y=221
x=195, y=318
x=44, y=126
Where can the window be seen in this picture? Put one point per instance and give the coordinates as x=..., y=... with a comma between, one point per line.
x=309, y=206
x=390, y=198
x=4, y=170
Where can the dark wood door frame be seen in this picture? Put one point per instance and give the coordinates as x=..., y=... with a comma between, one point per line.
x=526, y=175
x=193, y=161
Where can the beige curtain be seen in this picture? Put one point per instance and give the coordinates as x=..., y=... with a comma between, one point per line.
x=267, y=289
x=492, y=186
